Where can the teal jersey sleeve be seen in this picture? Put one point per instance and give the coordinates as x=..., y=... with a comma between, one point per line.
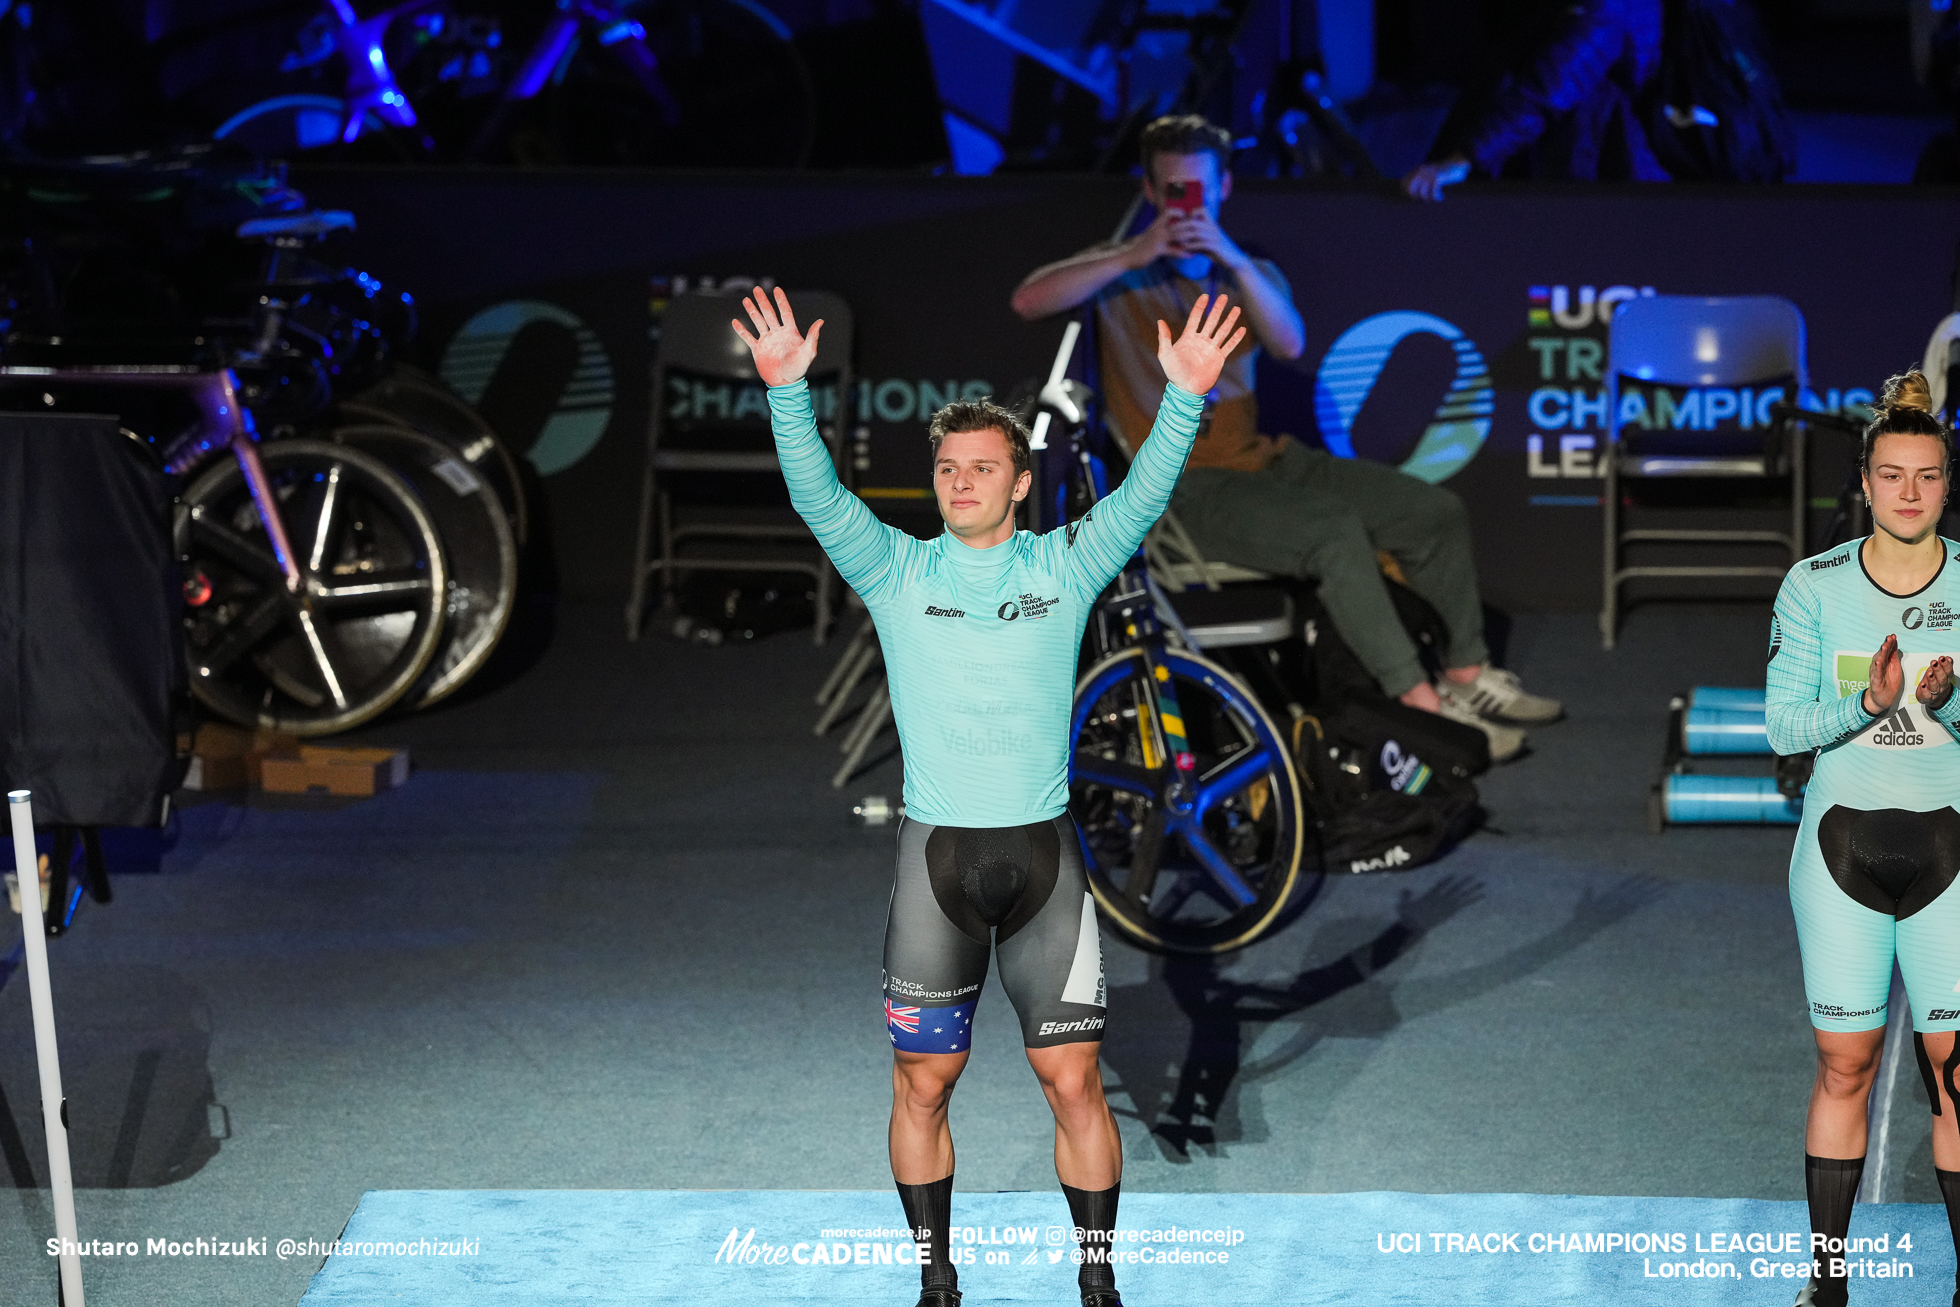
x=1798, y=719
x=1096, y=547
x=871, y=556
x=1948, y=713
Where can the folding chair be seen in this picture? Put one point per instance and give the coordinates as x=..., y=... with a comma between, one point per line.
x=696, y=340
x=1676, y=340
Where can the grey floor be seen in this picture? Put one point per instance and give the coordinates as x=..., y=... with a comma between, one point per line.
x=619, y=932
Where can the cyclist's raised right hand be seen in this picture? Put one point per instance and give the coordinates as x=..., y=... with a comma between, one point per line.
x=782, y=354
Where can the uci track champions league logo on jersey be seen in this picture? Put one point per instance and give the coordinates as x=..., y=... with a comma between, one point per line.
x=1935, y=616
x=1031, y=606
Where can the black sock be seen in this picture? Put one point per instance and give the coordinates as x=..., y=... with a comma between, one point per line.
x=1950, y=1190
x=1831, y=1185
x=929, y=1211
x=1094, y=1213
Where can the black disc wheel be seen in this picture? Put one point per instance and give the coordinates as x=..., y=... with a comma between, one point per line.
x=367, y=618
x=1200, y=859
x=476, y=544
x=410, y=397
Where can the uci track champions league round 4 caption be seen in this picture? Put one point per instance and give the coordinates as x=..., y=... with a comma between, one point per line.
x=1684, y=1255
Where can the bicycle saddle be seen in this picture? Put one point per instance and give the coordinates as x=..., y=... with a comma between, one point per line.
x=313, y=224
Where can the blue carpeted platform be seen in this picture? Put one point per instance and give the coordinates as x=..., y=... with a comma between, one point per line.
x=541, y=1248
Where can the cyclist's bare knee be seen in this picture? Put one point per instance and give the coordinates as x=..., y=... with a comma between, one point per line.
x=1070, y=1075
x=923, y=1082
x=1847, y=1062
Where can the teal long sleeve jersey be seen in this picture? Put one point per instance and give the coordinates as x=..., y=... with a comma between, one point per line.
x=1830, y=619
x=980, y=644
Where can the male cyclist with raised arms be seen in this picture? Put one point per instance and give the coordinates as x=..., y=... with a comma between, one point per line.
x=980, y=629
x=1861, y=670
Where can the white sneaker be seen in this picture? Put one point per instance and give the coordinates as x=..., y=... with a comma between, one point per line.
x=1498, y=693
x=1506, y=742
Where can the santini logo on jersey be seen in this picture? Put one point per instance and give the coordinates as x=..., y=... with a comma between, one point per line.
x=1395, y=857
x=943, y=612
x=1833, y=561
x=1065, y=1027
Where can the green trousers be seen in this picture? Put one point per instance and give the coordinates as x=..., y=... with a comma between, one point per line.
x=1314, y=515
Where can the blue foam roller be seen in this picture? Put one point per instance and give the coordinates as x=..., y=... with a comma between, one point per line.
x=1722, y=730
x=1732, y=698
x=1749, y=799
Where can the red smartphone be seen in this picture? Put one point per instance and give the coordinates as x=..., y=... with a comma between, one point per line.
x=1188, y=196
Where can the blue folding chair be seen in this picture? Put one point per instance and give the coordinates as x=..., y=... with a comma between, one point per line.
x=1677, y=340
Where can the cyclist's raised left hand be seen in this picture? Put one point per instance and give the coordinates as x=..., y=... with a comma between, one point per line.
x=1197, y=358
x=782, y=354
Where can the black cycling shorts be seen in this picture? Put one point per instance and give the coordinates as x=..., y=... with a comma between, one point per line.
x=961, y=894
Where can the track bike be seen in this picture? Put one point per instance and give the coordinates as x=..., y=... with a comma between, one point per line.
x=673, y=82
x=315, y=584
x=362, y=559
x=1183, y=787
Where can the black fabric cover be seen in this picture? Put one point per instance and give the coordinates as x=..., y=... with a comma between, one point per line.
x=91, y=659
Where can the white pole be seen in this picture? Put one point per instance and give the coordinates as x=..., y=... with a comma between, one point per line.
x=1877, y=1185
x=1056, y=371
x=54, y=1108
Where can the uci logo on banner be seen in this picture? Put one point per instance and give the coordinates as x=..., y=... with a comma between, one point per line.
x=1355, y=361
x=583, y=404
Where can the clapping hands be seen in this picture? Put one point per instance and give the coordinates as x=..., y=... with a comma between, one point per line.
x=1887, y=680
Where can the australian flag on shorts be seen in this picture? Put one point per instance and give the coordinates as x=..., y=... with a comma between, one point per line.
x=930, y=1029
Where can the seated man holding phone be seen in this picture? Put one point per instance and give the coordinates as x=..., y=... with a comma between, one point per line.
x=1269, y=502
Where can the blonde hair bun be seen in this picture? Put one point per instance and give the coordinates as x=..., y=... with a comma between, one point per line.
x=1907, y=390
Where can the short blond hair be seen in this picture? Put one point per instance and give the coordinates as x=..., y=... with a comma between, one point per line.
x=983, y=415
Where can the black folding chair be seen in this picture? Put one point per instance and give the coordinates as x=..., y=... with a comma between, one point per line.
x=698, y=346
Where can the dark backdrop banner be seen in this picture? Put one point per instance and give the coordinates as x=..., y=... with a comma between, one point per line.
x=1463, y=341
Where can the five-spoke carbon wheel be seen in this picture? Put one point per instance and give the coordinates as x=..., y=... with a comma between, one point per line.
x=1202, y=861
x=410, y=397
x=367, y=618
x=477, y=547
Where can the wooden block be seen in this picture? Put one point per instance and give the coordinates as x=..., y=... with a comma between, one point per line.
x=227, y=757
x=355, y=773
x=214, y=773
x=13, y=889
